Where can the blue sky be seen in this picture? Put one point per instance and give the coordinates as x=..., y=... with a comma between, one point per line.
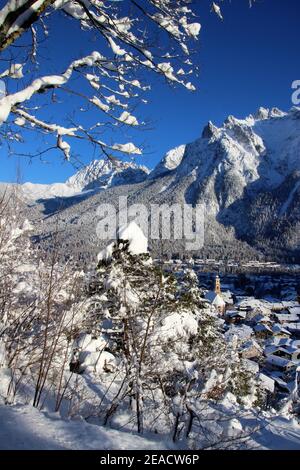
x=248, y=60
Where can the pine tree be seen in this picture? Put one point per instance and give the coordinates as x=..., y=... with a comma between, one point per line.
x=169, y=347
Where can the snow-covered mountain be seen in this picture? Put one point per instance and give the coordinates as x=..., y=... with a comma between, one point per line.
x=262, y=150
x=98, y=175
x=246, y=173
x=103, y=174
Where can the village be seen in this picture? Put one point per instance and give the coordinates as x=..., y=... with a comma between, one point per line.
x=267, y=333
x=260, y=313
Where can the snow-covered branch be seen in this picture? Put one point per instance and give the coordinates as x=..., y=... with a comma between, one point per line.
x=17, y=16
x=133, y=36
x=132, y=43
x=75, y=132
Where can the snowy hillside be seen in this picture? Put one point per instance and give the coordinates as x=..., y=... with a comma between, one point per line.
x=78, y=378
x=25, y=428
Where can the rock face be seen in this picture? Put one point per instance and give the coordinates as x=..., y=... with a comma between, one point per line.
x=246, y=174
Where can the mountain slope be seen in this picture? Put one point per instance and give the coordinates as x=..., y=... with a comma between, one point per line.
x=246, y=173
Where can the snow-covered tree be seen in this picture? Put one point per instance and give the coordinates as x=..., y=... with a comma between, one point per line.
x=169, y=349
x=132, y=38
x=40, y=309
x=15, y=254
x=15, y=251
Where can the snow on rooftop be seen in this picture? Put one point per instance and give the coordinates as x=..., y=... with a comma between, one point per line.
x=279, y=361
x=267, y=382
x=287, y=317
x=277, y=341
x=294, y=310
x=236, y=313
x=262, y=328
x=215, y=299
x=280, y=329
x=292, y=326
x=262, y=319
x=241, y=332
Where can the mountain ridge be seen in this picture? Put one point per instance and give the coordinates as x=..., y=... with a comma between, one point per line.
x=97, y=175
x=246, y=173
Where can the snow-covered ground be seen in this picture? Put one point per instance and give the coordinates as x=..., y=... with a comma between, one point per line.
x=279, y=434
x=24, y=427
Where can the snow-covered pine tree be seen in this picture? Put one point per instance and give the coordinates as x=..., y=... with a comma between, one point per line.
x=129, y=295
x=170, y=351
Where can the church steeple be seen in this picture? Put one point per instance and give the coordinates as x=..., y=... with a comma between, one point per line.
x=218, y=286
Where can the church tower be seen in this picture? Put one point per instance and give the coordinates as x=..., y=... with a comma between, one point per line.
x=218, y=286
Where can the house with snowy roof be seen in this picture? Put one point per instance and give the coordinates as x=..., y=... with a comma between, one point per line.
x=288, y=352
x=263, y=331
x=294, y=310
x=278, y=307
x=281, y=384
x=275, y=362
x=280, y=331
x=294, y=328
x=263, y=319
x=235, y=316
x=286, y=317
x=251, y=349
x=278, y=341
x=255, y=306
